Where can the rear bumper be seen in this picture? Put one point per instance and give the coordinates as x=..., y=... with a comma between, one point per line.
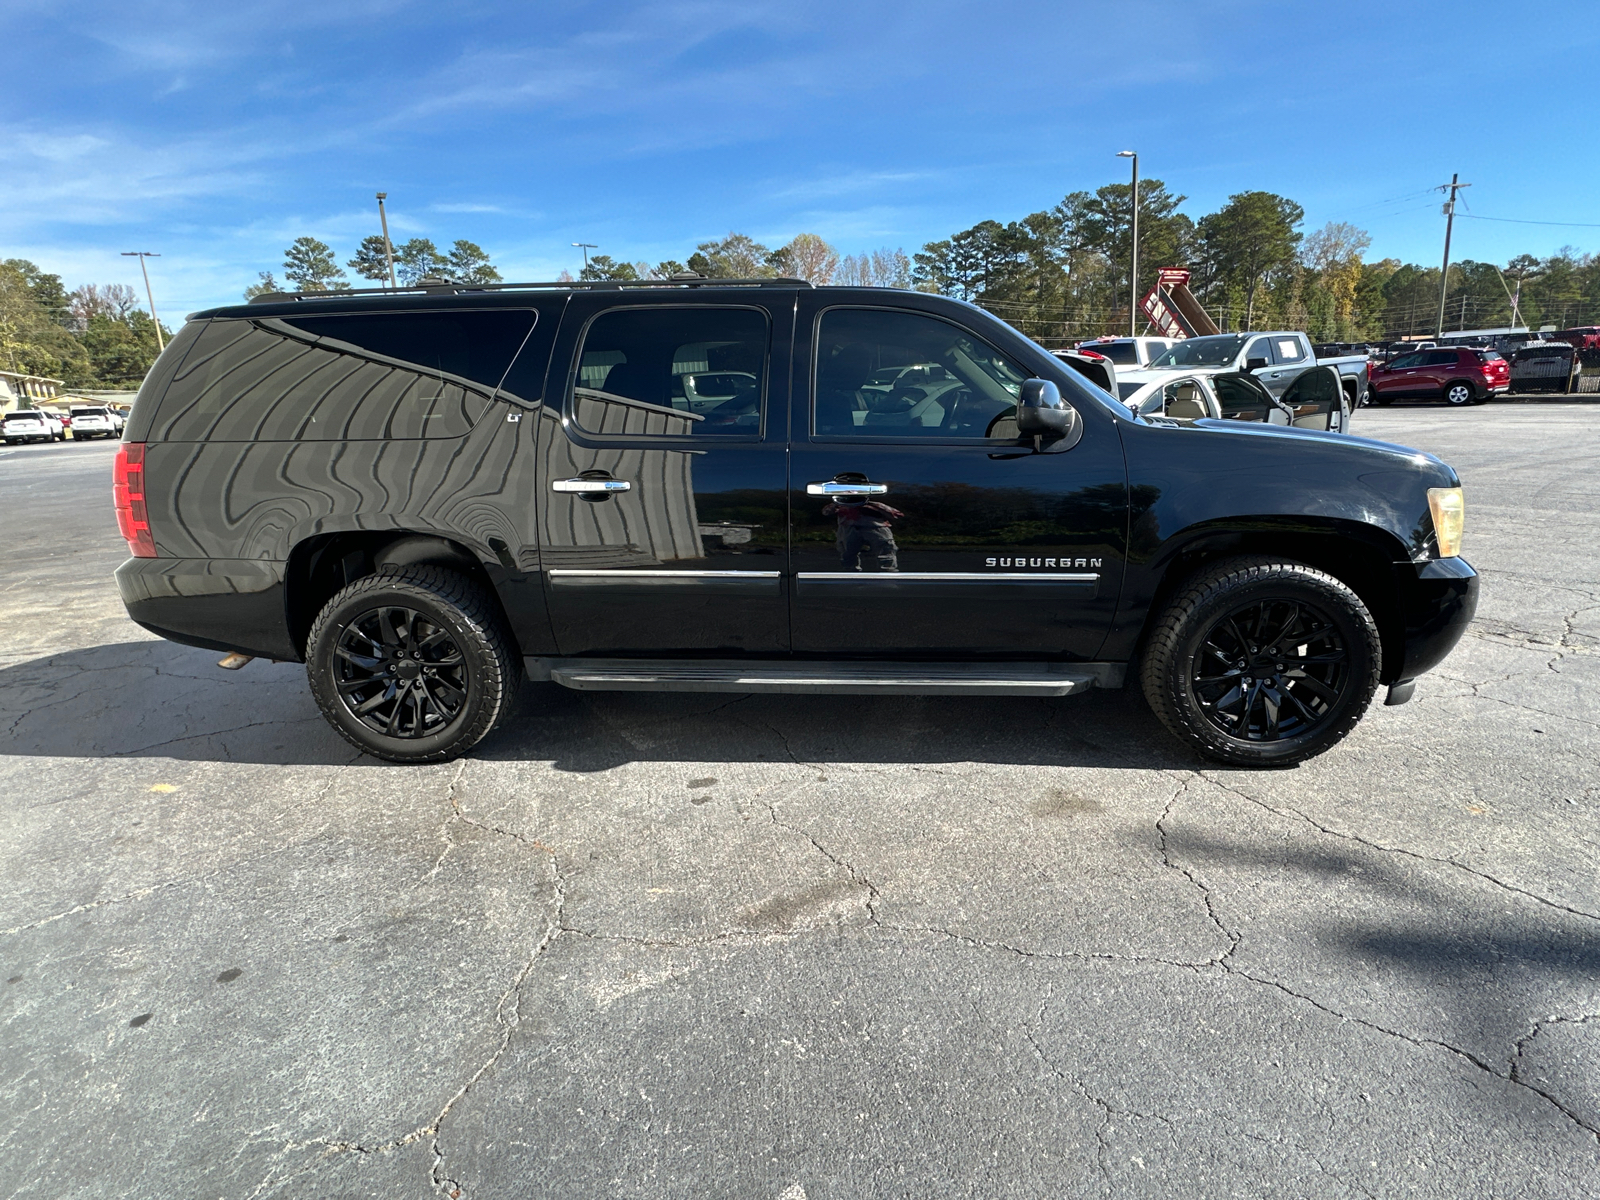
x=1438, y=599
x=217, y=604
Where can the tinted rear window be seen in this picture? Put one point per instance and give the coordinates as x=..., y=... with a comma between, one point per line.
x=1122, y=353
x=341, y=378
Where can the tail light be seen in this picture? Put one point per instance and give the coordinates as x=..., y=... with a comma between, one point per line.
x=127, y=490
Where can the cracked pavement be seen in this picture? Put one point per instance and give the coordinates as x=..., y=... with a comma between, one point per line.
x=669, y=945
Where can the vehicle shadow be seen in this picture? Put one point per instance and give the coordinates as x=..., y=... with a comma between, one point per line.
x=159, y=699
x=1407, y=943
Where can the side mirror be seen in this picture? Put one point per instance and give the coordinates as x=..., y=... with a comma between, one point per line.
x=1255, y=364
x=1040, y=412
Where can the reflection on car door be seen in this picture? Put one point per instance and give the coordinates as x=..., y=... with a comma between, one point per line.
x=662, y=478
x=922, y=526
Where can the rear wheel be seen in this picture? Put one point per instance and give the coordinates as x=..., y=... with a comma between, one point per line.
x=1458, y=394
x=413, y=664
x=1262, y=662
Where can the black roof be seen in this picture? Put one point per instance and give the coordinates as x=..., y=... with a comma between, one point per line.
x=428, y=292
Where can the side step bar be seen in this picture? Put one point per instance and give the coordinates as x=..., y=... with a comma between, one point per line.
x=826, y=678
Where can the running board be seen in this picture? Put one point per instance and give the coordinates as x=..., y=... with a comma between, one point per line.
x=826, y=678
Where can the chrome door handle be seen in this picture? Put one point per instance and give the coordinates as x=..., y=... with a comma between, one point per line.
x=589, y=486
x=847, y=489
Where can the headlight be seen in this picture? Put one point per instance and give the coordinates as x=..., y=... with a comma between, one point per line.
x=1449, y=516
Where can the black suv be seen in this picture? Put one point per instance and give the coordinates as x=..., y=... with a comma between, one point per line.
x=752, y=486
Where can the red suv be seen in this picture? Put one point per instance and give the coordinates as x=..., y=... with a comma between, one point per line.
x=1458, y=377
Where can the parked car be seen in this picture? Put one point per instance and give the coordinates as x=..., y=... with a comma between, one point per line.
x=1459, y=377
x=1275, y=358
x=424, y=496
x=1545, y=367
x=1128, y=351
x=32, y=425
x=92, y=421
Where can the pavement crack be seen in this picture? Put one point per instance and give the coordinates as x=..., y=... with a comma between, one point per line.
x=856, y=875
x=1467, y=1056
x=508, y=1014
x=1107, y=1110
x=1289, y=811
x=1200, y=884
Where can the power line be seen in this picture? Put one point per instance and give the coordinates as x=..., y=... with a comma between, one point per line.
x=1520, y=221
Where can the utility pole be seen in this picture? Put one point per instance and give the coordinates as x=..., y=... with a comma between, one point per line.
x=1133, y=268
x=1449, y=224
x=141, y=255
x=388, y=247
x=586, y=247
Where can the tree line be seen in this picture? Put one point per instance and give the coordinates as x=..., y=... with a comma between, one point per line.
x=1061, y=274
x=310, y=265
x=95, y=336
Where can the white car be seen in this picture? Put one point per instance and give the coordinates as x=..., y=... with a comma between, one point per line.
x=92, y=421
x=32, y=425
x=1314, y=400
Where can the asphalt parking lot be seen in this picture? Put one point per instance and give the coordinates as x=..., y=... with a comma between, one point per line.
x=786, y=947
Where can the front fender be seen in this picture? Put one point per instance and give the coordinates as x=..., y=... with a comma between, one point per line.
x=1207, y=488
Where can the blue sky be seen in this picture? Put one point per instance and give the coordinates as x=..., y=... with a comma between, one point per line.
x=216, y=133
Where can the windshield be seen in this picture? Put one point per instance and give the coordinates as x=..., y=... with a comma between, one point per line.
x=1216, y=351
x=24, y=416
x=88, y=412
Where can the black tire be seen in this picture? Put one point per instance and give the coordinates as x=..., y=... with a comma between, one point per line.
x=1458, y=393
x=1328, y=680
x=413, y=664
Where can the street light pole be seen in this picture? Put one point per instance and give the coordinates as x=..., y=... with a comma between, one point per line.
x=141, y=255
x=1133, y=269
x=586, y=246
x=1449, y=223
x=388, y=247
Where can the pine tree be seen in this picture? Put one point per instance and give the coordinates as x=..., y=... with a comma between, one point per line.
x=467, y=263
x=309, y=266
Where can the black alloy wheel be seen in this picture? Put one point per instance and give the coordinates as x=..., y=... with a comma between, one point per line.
x=1270, y=670
x=399, y=673
x=1458, y=394
x=413, y=664
x=1261, y=662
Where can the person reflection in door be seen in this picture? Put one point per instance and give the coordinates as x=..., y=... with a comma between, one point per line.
x=864, y=525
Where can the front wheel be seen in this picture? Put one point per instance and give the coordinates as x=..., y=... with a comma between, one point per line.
x=413, y=665
x=1459, y=395
x=1262, y=662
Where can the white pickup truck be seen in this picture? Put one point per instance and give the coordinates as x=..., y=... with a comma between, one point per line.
x=1276, y=358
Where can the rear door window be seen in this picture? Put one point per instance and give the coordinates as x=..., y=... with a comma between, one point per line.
x=1288, y=349
x=373, y=377
x=690, y=372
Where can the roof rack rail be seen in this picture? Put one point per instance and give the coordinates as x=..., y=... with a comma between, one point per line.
x=434, y=286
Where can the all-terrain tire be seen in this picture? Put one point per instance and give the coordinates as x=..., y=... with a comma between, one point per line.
x=489, y=665
x=1186, y=634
